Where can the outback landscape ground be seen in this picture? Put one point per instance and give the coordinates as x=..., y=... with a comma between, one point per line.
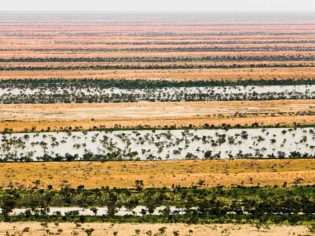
x=154, y=174
x=22, y=117
x=157, y=124
x=143, y=229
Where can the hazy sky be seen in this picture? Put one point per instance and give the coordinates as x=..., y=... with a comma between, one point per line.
x=160, y=5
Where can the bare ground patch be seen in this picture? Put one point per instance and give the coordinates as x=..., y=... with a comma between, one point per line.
x=123, y=174
x=102, y=229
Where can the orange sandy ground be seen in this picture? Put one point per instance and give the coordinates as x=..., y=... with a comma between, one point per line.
x=108, y=229
x=278, y=73
x=123, y=174
x=182, y=114
x=21, y=54
x=101, y=229
x=265, y=64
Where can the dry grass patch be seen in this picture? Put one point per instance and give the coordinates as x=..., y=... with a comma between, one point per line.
x=158, y=114
x=278, y=73
x=158, y=173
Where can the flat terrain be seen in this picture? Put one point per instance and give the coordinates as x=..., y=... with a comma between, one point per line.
x=293, y=73
x=264, y=50
x=159, y=174
x=88, y=116
x=221, y=49
x=103, y=229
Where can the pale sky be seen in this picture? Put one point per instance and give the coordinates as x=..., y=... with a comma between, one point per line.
x=158, y=5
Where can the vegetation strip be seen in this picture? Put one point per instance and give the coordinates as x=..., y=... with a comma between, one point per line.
x=293, y=205
x=79, y=93
x=146, y=84
x=150, y=67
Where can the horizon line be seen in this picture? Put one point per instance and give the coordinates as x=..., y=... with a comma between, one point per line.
x=161, y=11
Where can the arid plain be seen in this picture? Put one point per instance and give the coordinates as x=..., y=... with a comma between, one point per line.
x=210, y=118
